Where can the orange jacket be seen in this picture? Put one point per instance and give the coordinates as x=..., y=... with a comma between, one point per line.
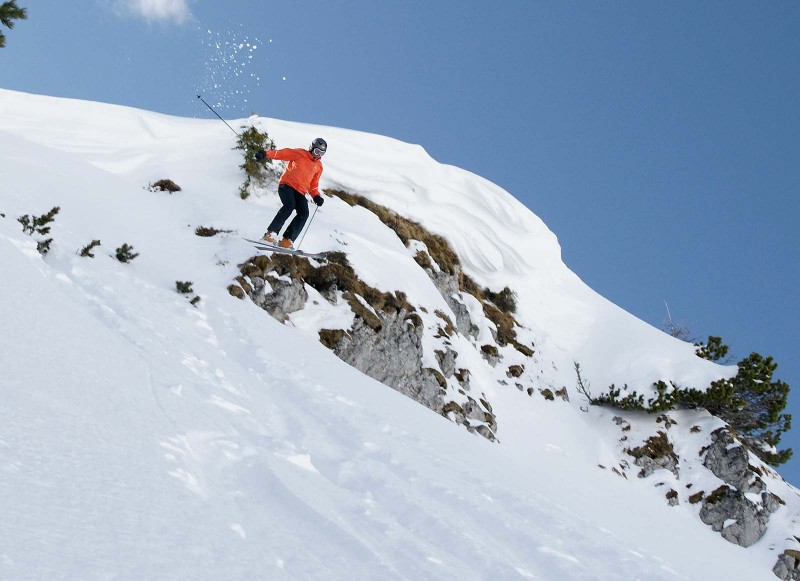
x=302, y=172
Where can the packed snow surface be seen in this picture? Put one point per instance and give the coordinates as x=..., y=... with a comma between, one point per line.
x=144, y=438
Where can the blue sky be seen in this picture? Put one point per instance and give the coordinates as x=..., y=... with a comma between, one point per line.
x=659, y=141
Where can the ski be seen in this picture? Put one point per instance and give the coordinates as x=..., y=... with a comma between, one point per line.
x=263, y=245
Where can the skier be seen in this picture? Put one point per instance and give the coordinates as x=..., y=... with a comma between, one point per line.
x=301, y=177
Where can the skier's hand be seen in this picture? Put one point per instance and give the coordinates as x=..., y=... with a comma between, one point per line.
x=319, y=200
x=261, y=154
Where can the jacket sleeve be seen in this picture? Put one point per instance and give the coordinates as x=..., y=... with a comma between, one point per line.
x=314, y=186
x=283, y=154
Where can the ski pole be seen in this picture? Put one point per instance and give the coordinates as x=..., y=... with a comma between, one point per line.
x=217, y=114
x=308, y=227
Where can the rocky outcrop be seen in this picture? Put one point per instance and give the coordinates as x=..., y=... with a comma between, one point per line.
x=656, y=453
x=279, y=296
x=730, y=462
x=386, y=339
x=737, y=518
x=393, y=356
x=728, y=510
x=447, y=285
x=788, y=566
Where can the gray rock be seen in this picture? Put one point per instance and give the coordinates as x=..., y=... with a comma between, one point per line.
x=388, y=349
x=486, y=433
x=655, y=454
x=447, y=361
x=473, y=410
x=392, y=355
x=447, y=285
x=725, y=505
x=788, y=566
x=730, y=462
x=672, y=498
x=278, y=297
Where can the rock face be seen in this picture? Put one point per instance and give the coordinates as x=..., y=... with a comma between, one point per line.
x=386, y=339
x=734, y=516
x=728, y=510
x=392, y=355
x=729, y=461
x=788, y=566
x=278, y=296
x=447, y=285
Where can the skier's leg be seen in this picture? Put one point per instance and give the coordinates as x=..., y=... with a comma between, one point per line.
x=288, y=198
x=296, y=225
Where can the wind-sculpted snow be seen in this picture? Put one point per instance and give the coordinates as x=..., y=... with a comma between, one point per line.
x=142, y=437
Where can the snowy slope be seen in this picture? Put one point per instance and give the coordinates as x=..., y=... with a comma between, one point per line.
x=144, y=438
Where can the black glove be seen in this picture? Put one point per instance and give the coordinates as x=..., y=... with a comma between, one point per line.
x=261, y=154
x=319, y=200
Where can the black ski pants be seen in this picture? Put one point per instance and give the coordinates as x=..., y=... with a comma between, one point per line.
x=293, y=201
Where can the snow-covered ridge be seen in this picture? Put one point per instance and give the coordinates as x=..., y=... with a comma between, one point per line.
x=142, y=435
x=500, y=241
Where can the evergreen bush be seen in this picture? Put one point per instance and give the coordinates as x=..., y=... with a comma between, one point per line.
x=261, y=174
x=9, y=12
x=752, y=402
x=87, y=250
x=125, y=253
x=39, y=225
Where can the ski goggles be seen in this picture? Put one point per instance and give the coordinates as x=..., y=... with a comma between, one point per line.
x=317, y=152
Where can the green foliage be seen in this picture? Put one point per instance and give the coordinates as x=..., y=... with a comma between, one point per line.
x=756, y=408
x=258, y=173
x=9, y=12
x=631, y=401
x=87, y=250
x=184, y=287
x=752, y=402
x=714, y=350
x=39, y=225
x=125, y=253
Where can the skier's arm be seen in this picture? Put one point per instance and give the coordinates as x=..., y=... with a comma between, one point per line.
x=283, y=154
x=316, y=195
x=314, y=186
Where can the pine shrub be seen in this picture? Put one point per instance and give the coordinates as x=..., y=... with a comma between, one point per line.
x=87, y=250
x=39, y=225
x=9, y=12
x=259, y=174
x=752, y=402
x=125, y=253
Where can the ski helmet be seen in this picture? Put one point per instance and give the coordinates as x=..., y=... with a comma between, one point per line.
x=318, y=147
